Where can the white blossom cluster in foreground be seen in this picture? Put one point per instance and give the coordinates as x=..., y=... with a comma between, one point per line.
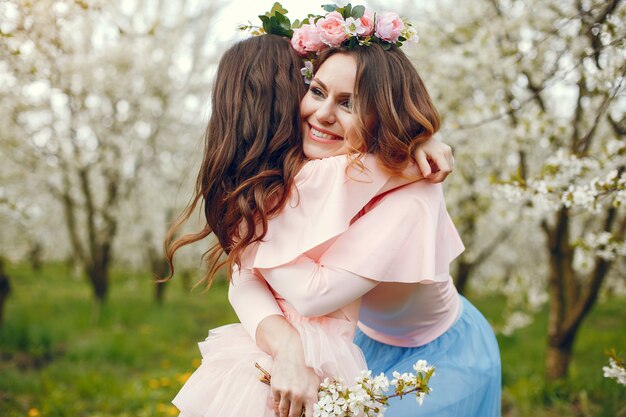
x=616, y=371
x=367, y=397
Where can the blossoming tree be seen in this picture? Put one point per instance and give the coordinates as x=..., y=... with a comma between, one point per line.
x=534, y=104
x=101, y=97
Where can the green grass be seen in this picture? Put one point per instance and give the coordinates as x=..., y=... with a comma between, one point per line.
x=60, y=356
x=586, y=392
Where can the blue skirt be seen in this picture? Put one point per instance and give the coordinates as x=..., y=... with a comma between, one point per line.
x=467, y=380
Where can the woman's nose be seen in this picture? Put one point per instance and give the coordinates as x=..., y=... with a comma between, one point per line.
x=326, y=114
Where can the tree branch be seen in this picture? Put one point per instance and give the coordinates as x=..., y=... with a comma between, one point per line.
x=492, y=246
x=549, y=83
x=588, y=138
x=619, y=127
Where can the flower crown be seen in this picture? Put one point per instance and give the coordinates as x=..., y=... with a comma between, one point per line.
x=347, y=26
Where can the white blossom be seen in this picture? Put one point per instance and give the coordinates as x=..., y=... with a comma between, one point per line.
x=421, y=366
x=366, y=397
x=603, y=245
x=615, y=371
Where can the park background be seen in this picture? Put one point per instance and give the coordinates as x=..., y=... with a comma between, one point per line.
x=102, y=111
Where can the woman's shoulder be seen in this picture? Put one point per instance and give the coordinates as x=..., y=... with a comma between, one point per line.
x=419, y=194
x=364, y=168
x=328, y=195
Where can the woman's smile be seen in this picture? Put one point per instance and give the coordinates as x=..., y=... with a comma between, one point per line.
x=323, y=136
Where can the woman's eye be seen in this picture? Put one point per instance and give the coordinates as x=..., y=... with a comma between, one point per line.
x=316, y=92
x=346, y=104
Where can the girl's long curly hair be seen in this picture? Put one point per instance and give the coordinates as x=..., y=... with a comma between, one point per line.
x=252, y=150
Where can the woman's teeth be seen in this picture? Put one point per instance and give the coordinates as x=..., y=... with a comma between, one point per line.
x=322, y=135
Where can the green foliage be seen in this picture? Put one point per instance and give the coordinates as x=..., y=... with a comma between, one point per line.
x=347, y=11
x=275, y=22
x=276, y=8
x=60, y=356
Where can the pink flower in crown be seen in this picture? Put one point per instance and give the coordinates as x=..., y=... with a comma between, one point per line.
x=331, y=29
x=367, y=23
x=389, y=26
x=307, y=39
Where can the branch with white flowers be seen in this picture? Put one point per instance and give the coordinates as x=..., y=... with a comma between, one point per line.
x=367, y=397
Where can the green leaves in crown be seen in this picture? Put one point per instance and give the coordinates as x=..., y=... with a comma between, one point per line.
x=276, y=22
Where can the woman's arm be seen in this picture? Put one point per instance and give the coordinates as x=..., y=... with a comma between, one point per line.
x=251, y=299
x=294, y=385
x=315, y=289
x=434, y=162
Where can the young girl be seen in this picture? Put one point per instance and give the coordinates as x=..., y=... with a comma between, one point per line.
x=252, y=154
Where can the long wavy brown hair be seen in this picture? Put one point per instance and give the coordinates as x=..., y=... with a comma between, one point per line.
x=388, y=87
x=252, y=150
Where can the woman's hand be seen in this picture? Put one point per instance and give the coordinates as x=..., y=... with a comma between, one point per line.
x=294, y=385
x=434, y=160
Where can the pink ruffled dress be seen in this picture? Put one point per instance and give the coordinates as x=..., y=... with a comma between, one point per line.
x=394, y=256
x=227, y=383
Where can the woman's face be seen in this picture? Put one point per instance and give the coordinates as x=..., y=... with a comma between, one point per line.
x=326, y=109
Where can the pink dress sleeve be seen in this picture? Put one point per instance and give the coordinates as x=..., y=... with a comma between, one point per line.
x=252, y=299
x=315, y=289
x=329, y=193
x=405, y=236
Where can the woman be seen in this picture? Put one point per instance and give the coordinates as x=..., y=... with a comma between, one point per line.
x=410, y=308
x=252, y=154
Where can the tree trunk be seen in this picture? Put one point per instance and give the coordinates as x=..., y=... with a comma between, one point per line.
x=160, y=269
x=557, y=361
x=462, y=276
x=99, y=278
x=567, y=311
x=159, y=292
x=5, y=289
x=34, y=256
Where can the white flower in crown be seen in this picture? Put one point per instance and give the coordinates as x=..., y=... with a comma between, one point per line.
x=353, y=27
x=409, y=33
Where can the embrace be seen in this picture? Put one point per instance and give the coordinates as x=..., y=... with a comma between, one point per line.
x=325, y=200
